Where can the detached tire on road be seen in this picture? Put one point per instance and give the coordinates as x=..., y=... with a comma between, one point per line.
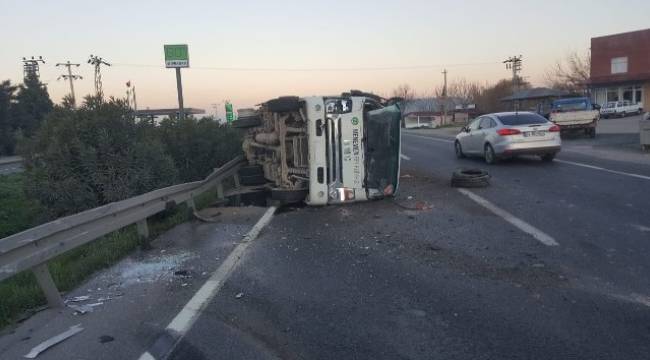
x=247, y=122
x=470, y=178
x=284, y=104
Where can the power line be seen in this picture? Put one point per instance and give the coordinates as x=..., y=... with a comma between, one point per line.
x=70, y=77
x=315, y=69
x=97, y=62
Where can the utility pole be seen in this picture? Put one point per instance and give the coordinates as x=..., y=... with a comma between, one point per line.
x=514, y=63
x=70, y=77
x=97, y=62
x=135, y=102
x=444, y=98
x=31, y=67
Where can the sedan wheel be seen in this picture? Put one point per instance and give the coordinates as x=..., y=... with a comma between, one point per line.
x=489, y=155
x=459, y=150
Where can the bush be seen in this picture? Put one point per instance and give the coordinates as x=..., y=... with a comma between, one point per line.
x=80, y=159
x=198, y=146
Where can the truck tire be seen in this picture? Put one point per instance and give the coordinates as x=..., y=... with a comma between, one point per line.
x=548, y=157
x=289, y=196
x=252, y=180
x=470, y=178
x=247, y=122
x=249, y=170
x=284, y=104
x=592, y=133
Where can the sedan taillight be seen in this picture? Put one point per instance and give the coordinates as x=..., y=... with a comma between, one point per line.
x=507, y=131
x=554, y=128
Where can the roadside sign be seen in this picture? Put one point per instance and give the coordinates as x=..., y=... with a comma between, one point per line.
x=230, y=116
x=177, y=56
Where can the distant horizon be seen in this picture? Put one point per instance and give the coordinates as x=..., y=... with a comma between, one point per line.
x=249, y=52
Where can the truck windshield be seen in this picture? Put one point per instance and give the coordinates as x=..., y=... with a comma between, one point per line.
x=382, y=134
x=576, y=105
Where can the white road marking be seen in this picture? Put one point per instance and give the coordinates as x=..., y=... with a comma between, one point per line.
x=518, y=223
x=431, y=138
x=190, y=313
x=603, y=169
x=404, y=157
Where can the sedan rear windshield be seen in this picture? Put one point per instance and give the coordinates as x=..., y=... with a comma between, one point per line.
x=521, y=119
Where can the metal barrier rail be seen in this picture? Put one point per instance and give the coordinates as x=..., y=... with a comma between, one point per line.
x=33, y=248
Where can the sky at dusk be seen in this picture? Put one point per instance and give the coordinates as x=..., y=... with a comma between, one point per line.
x=250, y=51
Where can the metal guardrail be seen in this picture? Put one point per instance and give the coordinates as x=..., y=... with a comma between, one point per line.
x=33, y=248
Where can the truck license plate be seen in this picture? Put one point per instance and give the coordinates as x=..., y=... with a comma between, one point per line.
x=534, y=133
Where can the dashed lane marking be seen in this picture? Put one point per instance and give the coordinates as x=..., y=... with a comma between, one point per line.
x=518, y=223
x=603, y=169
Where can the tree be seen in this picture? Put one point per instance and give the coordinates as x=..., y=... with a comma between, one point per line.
x=466, y=91
x=32, y=104
x=571, y=73
x=404, y=92
x=80, y=159
x=7, y=140
x=490, y=98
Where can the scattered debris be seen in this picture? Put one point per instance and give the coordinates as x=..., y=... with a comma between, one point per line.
x=83, y=309
x=184, y=284
x=78, y=298
x=183, y=273
x=53, y=341
x=239, y=295
x=106, y=339
x=406, y=176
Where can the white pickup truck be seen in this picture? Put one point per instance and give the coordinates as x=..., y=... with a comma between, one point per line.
x=575, y=114
x=620, y=109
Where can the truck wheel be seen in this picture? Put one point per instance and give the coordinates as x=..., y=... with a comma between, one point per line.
x=623, y=114
x=247, y=122
x=249, y=170
x=592, y=133
x=252, y=180
x=284, y=104
x=548, y=157
x=289, y=196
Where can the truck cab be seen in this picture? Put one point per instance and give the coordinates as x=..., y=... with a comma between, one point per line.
x=324, y=149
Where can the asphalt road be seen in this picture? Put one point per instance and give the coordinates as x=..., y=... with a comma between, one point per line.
x=432, y=274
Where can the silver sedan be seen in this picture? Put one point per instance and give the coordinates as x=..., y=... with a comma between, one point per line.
x=509, y=134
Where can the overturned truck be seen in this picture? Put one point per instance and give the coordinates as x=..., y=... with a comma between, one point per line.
x=322, y=149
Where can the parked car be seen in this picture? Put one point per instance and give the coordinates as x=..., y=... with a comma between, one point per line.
x=575, y=114
x=503, y=135
x=620, y=109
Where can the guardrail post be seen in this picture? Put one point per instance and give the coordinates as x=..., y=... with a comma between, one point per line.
x=236, y=178
x=220, y=190
x=44, y=279
x=190, y=204
x=143, y=229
